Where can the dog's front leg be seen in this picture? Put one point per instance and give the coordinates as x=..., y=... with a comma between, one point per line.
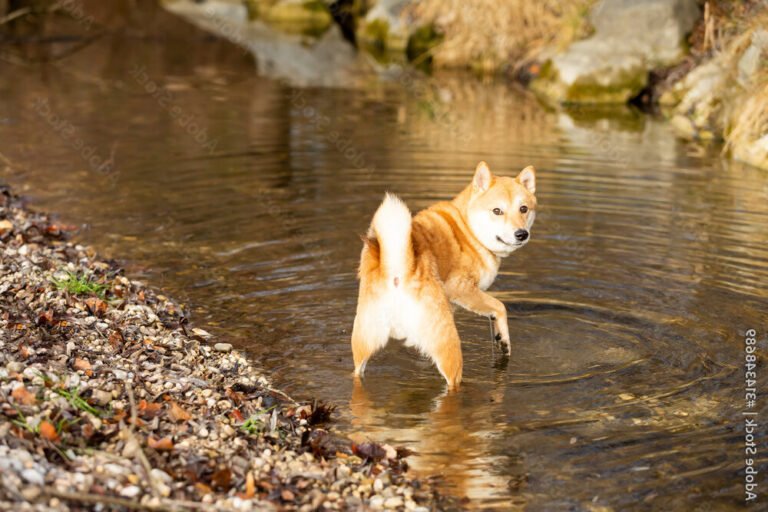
x=479, y=302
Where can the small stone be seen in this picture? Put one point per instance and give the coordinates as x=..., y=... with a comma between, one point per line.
x=376, y=502
x=131, y=491
x=163, y=489
x=115, y=469
x=31, y=493
x=102, y=398
x=203, y=432
x=33, y=476
x=15, y=367
x=227, y=431
x=131, y=448
x=120, y=374
x=159, y=474
x=223, y=347
x=393, y=502
x=378, y=485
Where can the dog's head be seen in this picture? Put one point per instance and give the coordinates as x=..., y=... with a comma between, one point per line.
x=501, y=210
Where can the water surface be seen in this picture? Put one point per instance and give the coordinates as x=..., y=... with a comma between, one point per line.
x=627, y=310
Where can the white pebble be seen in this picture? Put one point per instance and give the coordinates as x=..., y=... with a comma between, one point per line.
x=393, y=502
x=130, y=492
x=32, y=476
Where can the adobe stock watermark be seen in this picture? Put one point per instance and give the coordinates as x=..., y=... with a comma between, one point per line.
x=321, y=122
x=69, y=134
x=76, y=10
x=188, y=122
x=231, y=31
x=750, y=416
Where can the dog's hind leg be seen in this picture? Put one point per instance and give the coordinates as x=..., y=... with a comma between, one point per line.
x=437, y=336
x=447, y=354
x=368, y=336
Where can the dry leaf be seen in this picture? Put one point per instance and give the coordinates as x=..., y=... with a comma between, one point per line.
x=370, y=451
x=48, y=431
x=96, y=306
x=177, y=413
x=5, y=226
x=164, y=444
x=23, y=351
x=82, y=364
x=45, y=318
x=202, y=488
x=233, y=395
x=23, y=397
x=116, y=339
x=250, y=485
x=149, y=410
x=87, y=431
x=222, y=479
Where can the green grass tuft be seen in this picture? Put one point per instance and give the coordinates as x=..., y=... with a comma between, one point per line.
x=78, y=402
x=80, y=285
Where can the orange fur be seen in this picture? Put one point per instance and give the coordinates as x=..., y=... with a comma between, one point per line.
x=411, y=270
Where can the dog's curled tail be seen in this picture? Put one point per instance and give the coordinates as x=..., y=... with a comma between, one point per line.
x=391, y=227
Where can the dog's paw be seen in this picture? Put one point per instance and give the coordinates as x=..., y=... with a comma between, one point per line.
x=507, y=346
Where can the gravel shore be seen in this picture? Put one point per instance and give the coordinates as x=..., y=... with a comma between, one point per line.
x=111, y=401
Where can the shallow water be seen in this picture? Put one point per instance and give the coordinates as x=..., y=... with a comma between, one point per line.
x=627, y=310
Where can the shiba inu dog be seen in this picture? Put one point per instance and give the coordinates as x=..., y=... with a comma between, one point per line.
x=413, y=268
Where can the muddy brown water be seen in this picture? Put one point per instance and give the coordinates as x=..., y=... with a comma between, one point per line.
x=628, y=309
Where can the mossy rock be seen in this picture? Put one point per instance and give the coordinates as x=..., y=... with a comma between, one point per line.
x=619, y=87
x=421, y=42
x=378, y=37
x=252, y=7
x=312, y=13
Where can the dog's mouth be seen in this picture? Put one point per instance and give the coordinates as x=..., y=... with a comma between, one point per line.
x=507, y=243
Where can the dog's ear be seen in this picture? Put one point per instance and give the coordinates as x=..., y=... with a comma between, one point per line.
x=527, y=178
x=482, y=180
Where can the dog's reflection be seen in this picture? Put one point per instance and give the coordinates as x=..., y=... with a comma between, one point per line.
x=451, y=439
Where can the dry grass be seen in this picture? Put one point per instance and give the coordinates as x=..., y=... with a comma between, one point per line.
x=723, y=24
x=746, y=119
x=494, y=34
x=749, y=123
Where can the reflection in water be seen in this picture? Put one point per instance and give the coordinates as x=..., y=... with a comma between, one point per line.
x=444, y=437
x=627, y=310
x=325, y=61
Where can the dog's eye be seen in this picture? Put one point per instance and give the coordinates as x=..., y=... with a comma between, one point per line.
x=523, y=209
x=497, y=211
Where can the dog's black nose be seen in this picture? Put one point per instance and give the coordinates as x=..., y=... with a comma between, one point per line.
x=521, y=235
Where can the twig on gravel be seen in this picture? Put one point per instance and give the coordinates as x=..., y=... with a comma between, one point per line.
x=142, y=456
x=165, y=505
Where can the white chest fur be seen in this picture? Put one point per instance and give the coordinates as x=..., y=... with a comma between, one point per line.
x=488, y=274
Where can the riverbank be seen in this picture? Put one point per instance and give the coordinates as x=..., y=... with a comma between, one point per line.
x=109, y=397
